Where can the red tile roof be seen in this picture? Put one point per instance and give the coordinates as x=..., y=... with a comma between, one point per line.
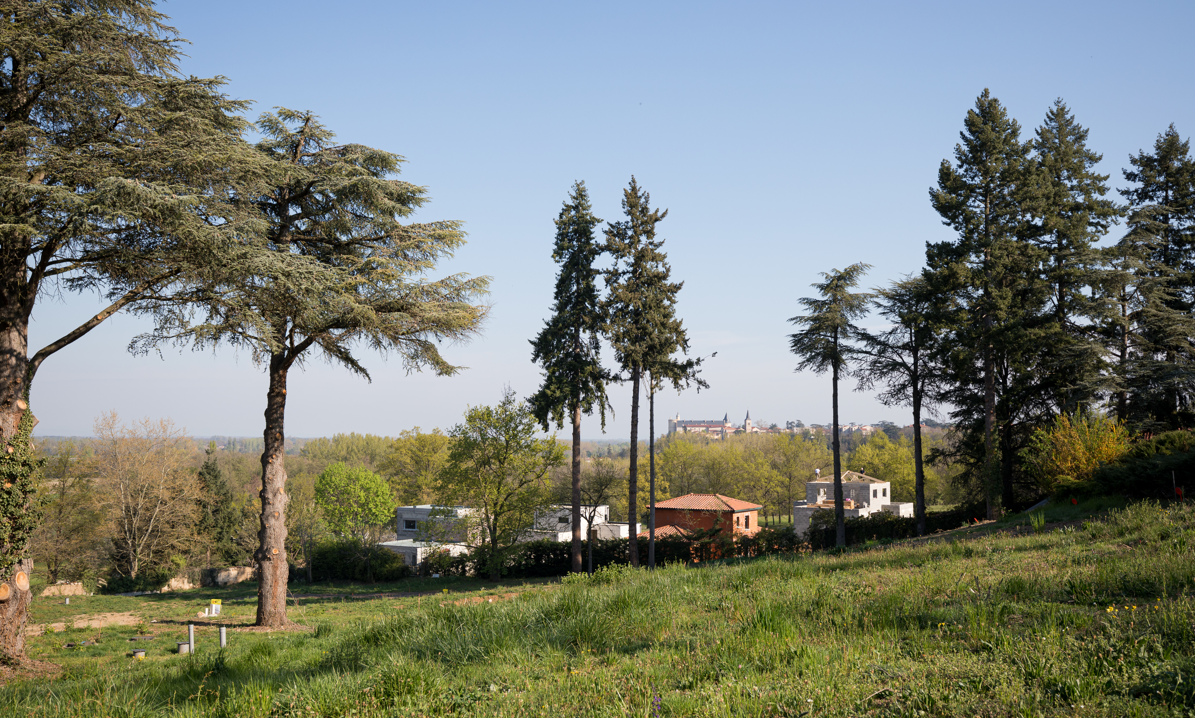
x=668, y=531
x=707, y=502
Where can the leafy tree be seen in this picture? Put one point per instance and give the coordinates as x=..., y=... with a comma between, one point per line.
x=568, y=347
x=219, y=514
x=599, y=484
x=70, y=540
x=412, y=463
x=983, y=197
x=903, y=359
x=824, y=342
x=500, y=469
x=103, y=154
x=305, y=524
x=152, y=492
x=642, y=325
x=336, y=268
x=354, y=449
x=1157, y=376
x=356, y=504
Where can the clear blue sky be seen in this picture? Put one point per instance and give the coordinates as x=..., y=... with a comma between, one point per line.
x=784, y=139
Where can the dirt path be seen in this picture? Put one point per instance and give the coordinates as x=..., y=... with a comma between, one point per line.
x=96, y=620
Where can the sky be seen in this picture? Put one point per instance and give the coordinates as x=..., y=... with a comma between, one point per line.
x=784, y=139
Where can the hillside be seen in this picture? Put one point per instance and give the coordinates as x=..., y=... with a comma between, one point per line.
x=1090, y=618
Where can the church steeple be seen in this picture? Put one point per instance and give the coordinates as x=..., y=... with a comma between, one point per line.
x=747, y=423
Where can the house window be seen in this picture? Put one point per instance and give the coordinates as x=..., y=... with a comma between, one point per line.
x=875, y=493
x=562, y=520
x=736, y=521
x=885, y=492
x=410, y=525
x=747, y=521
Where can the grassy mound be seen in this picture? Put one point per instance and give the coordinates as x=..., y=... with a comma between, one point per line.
x=1095, y=619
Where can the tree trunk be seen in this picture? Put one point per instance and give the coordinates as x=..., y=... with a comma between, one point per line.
x=918, y=462
x=575, y=550
x=633, y=479
x=651, y=460
x=14, y=613
x=989, y=420
x=1009, y=498
x=839, y=508
x=272, y=569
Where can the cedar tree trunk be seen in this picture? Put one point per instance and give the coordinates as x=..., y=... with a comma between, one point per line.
x=272, y=568
x=839, y=510
x=575, y=550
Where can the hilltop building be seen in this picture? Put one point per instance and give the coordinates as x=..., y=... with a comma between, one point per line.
x=717, y=428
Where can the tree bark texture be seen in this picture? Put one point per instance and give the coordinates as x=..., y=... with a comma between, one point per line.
x=839, y=508
x=272, y=568
x=633, y=479
x=15, y=611
x=575, y=550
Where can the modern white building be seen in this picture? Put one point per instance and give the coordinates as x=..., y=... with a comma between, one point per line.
x=862, y=496
x=426, y=528
x=555, y=522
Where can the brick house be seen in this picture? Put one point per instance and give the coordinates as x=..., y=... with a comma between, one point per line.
x=707, y=511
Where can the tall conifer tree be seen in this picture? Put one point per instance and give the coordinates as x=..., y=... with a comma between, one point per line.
x=981, y=196
x=1070, y=213
x=905, y=358
x=636, y=310
x=826, y=343
x=568, y=347
x=1160, y=373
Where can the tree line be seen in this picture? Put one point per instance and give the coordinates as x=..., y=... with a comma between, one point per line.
x=1024, y=316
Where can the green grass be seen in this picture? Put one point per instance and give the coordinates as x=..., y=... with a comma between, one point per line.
x=1090, y=619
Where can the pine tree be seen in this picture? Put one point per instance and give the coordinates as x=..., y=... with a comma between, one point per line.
x=220, y=517
x=826, y=343
x=1160, y=374
x=991, y=272
x=568, y=347
x=1069, y=214
x=109, y=161
x=638, y=292
x=336, y=268
x=904, y=359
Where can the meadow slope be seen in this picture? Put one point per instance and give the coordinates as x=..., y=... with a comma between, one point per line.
x=1095, y=618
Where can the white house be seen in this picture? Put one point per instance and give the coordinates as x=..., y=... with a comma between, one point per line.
x=862, y=496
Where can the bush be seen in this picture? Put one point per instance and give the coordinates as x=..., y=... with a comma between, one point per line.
x=347, y=560
x=1151, y=468
x=882, y=525
x=146, y=582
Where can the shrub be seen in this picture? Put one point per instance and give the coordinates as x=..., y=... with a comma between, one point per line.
x=1151, y=468
x=1065, y=456
x=882, y=525
x=347, y=560
x=146, y=582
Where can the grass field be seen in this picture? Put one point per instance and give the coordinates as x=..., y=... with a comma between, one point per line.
x=1087, y=618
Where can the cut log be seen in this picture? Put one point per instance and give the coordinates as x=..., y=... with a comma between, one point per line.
x=22, y=404
x=21, y=580
x=5, y=591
